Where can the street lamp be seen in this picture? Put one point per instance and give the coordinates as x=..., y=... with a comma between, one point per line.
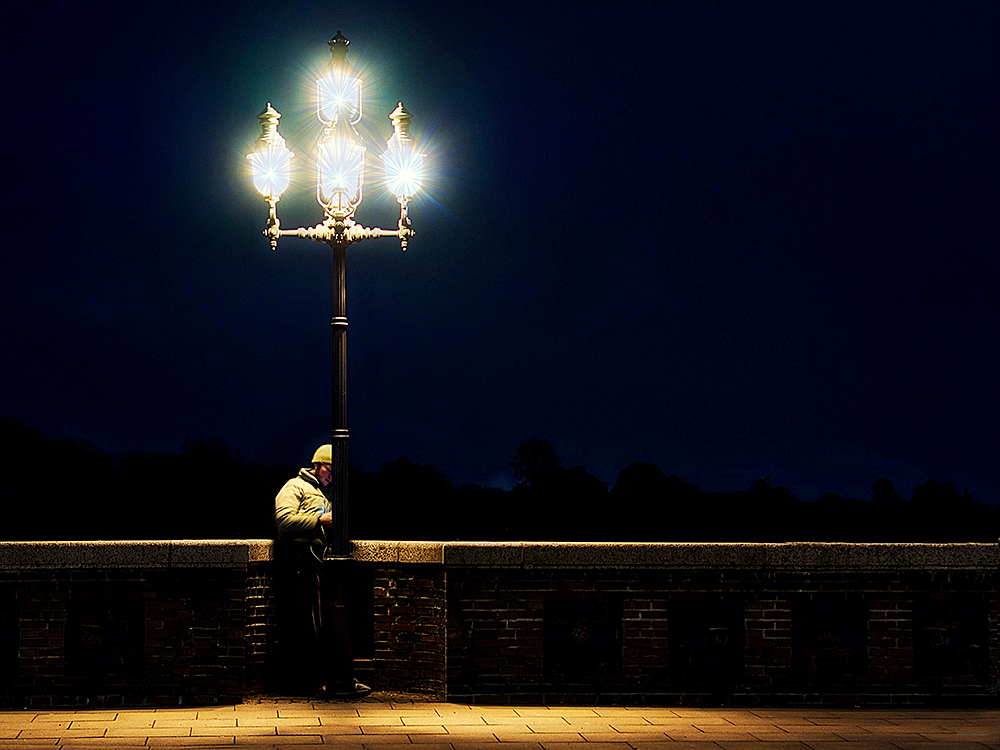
x=339, y=184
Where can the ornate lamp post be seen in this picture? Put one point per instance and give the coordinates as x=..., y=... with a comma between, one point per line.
x=339, y=182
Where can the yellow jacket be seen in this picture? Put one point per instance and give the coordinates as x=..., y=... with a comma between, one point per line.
x=297, y=508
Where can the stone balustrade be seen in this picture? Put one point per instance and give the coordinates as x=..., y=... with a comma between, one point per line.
x=192, y=622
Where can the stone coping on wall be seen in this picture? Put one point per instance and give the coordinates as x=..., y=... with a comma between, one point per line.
x=237, y=553
x=787, y=555
x=177, y=553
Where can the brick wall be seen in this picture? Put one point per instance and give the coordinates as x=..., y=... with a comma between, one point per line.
x=113, y=624
x=409, y=628
x=751, y=624
x=599, y=635
x=177, y=623
x=261, y=627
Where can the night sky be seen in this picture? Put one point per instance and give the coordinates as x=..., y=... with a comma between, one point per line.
x=734, y=240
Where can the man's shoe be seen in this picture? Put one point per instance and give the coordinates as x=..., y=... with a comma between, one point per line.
x=361, y=690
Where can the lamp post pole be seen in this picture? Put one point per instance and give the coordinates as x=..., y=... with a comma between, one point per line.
x=340, y=176
x=340, y=546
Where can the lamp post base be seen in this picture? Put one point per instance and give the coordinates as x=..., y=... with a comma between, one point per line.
x=343, y=693
x=337, y=572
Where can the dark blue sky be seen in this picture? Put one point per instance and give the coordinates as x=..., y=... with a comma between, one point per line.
x=731, y=239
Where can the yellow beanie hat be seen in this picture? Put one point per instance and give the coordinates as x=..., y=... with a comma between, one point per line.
x=323, y=455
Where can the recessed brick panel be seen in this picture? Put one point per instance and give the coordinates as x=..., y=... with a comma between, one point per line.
x=951, y=639
x=829, y=639
x=106, y=640
x=10, y=637
x=582, y=638
x=707, y=641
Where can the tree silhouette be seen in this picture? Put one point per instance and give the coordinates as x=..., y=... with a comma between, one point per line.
x=942, y=514
x=833, y=518
x=891, y=519
x=533, y=458
x=769, y=514
x=884, y=493
x=414, y=495
x=641, y=480
x=206, y=491
x=649, y=506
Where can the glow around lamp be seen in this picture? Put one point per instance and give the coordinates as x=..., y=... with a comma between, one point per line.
x=341, y=169
x=270, y=164
x=340, y=161
x=404, y=165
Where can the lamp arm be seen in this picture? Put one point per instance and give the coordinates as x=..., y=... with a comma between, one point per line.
x=345, y=232
x=273, y=230
x=339, y=230
x=405, y=232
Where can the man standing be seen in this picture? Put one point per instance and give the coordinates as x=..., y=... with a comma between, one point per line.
x=303, y=507
x=303, y=516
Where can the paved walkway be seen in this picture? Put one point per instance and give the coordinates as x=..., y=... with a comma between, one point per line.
x=384, y=723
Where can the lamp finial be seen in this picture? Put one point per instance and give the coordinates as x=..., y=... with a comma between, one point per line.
x=338, y=49
x=269, y=128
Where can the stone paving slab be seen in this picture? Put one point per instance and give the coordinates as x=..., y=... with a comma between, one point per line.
x=383, y=724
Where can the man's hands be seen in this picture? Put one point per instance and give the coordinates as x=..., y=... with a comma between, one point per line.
x=326, y=519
